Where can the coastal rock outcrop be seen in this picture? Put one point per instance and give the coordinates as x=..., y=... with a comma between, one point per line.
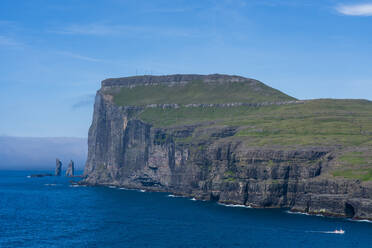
x=210, y=161
x=70, y=169
x=58, y=169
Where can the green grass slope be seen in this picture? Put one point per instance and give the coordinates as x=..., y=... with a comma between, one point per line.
x=315, y=122
x=343, y=124
x=251, y=91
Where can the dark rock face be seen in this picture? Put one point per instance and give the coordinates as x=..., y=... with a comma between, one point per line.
x=70, y=169
x=125, y=151
x=58, y=170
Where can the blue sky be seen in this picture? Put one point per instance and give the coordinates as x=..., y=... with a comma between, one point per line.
x=53, y=54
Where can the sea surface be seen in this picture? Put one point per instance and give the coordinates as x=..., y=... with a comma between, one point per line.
x=49, y=212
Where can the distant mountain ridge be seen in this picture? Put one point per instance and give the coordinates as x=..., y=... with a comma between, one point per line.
x=40, y=153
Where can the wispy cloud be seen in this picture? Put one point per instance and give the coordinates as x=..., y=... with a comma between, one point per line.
x=88, y=29
x=167, y=10
x=78, y=56
x=106, y=29
x=85, y=101
x=9, y=42
x=355, y=9
x=7, y=23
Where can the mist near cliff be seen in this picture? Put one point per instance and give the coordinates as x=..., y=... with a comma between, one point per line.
x=33, y=153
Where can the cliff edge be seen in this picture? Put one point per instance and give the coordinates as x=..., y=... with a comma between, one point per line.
x=233, y=140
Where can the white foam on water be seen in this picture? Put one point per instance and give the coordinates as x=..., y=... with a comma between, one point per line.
x=290, y=212
x=28, y=176
x=365, y=221
x=327, y=232
x=321, y=215
x=51, y=184
x=234, y=205
x=112, y=187
x=175, y=196
x=74, y=186
x=193, y=199
x=122, y=188
x=142, y=190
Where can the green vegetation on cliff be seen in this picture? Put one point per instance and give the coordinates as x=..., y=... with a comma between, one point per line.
x=251, y=91
x=355, y=164
x=315, y=122
x=360, y=174
x=344, y=125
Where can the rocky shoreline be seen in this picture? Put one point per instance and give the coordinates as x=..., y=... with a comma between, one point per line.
x=224, y=203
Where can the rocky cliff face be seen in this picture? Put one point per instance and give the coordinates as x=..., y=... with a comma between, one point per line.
x=210, y=162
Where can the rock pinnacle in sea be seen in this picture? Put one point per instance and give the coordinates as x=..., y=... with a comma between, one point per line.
x=58, y=167
x=70, y=169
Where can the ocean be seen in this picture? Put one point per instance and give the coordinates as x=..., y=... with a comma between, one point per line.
x=49, y=212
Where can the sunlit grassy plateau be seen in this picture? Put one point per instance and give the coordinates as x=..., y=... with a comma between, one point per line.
x=346, y=124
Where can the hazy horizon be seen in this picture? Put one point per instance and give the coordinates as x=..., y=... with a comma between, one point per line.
x=18, y=153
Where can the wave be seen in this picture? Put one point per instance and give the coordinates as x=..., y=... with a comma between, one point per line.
x=112, y=187
x=123, y=188
x=321, y=215
x=51, y=184
x=193, y=199
x=175, y=196
x=327, y=232
x=234, y=205
x=290, y=212
x=365, y=221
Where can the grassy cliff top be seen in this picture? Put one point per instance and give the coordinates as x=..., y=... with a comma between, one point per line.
x=344, y=125
x=189, y=89
x=315, y=122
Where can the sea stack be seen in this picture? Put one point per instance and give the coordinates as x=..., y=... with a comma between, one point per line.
x=58, y=167
x=70, y=169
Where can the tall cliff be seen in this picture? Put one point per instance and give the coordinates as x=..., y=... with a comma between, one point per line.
x=233, y=140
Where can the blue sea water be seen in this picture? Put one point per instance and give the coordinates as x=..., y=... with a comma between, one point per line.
x=48, y=212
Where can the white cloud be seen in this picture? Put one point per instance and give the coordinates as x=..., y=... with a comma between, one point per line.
x=105, y=29
x=79, y=57
x=90, y=29
x=9, y=42
x=166, y=10
x=356, y=9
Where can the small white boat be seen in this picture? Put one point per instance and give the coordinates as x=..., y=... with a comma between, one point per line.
x=339, y=231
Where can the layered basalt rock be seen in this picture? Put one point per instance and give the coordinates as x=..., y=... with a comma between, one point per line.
x=125, y=151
